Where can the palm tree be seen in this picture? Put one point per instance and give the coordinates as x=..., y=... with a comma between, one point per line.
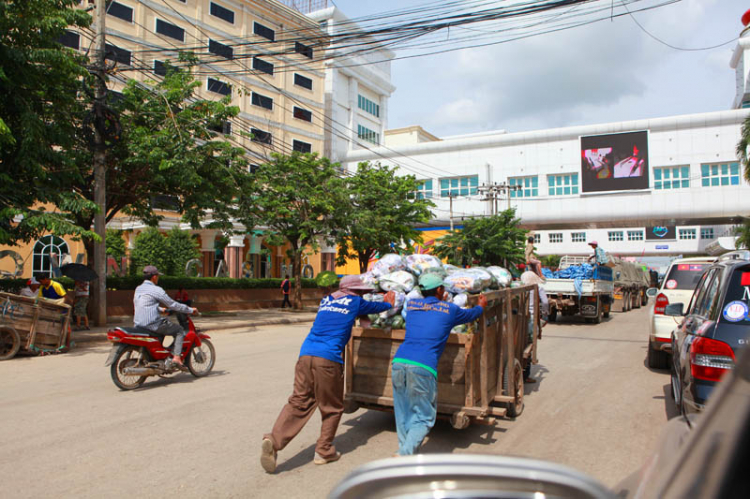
x=742, y=147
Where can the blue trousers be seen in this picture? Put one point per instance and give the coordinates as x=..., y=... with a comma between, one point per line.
x=414, y=404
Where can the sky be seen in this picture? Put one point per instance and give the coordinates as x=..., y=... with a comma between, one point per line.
x=602, y=72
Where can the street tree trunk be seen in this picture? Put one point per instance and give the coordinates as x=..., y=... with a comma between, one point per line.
x=364, y=259
x=297, y=264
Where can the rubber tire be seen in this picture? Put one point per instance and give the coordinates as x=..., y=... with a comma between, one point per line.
x=513, y=384
x=552, y=317
x=656, y=358
x=676, y=394
x=637, y=300
x=194, y=371
x=113, y=370
x=527, y=370
x=598, y=318
x=644, y=299
x=14, y=340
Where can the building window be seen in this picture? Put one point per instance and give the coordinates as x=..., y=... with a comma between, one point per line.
x=159, y=68
x=303, y=49
x=537, y=238
x=555, y=237
x=563, y=185
x=70, y=39
x=302, y=81
x=222, y=13
x=302, y=114
x=529, y=187
x=262, y=101
x=369, y=106
x=615, y=235
x=220, y=49
x=720, y=174
x=120, y=11
x=635, y=235
x=262, y=66
x=672, y=177
x=365, y=133
x=261, y=136
x=219, y=87
x=424, y=190
x=459, y=186
x=707, y=233
x=223, y=128
x=578, y=237
x=264, y=31
x=170, y=30
x=116, y=54
x=299, y=146
x=686, y=234
x=46, y=248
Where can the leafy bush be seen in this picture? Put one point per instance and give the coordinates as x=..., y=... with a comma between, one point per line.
x=181, y=248
x=150, y=248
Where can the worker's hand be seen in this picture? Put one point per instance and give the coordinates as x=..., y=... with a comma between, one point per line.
x=390, y=297
x=482, y=301
x=195, y=311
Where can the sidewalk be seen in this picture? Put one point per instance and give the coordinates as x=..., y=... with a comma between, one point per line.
x=225, y=321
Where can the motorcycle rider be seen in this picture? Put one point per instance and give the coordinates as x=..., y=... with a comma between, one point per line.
x=148, y=296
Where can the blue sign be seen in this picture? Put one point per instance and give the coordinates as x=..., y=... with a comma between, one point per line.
x=662, y=246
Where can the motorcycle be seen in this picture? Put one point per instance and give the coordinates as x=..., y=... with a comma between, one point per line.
x=138, y=353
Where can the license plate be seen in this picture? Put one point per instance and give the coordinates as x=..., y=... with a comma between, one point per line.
x=111, y=357
x=588, y=310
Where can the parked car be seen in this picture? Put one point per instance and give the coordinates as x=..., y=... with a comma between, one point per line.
x=676, y=287
x=715, y=326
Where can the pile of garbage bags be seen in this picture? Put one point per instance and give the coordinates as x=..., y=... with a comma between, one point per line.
x=401, y=275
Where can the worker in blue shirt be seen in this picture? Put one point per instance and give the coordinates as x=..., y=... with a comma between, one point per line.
x=429, y=321
x=319, y=374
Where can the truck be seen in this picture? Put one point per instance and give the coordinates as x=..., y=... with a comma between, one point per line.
x=630, y=284
x=590, y=297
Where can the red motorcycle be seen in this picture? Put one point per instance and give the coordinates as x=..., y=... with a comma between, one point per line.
x=138, y=353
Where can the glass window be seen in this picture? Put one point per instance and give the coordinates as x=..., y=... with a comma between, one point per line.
x=262, y=101
x=563, y=185
x=220, y=49
x=578, y=237
x=736, y=291
x=298, y=145
x=707, y=233
x=459, y=186
x=424, y=191
x=116, y=9
x=159, y=68
x=537, y=238
x=686, y=234
x=222, y=12
x=303, y=49
x=302, y=114
x=45, y=248
x=672, y=177
x=70, y=39
x=368, y=106
x=170, y=30
x=262, y=66
x=117, y=54
x=555, y=237
x=261, y=136
x=721, y=174
x=303, y=81
x=365, y=133
x=218, y=87
x=685, y=275
x=527, y=187
x=264, y=31
x=615, y=235
x=635, y=235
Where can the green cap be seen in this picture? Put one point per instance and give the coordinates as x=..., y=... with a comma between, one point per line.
x=430, y=280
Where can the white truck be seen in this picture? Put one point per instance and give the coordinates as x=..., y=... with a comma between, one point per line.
x=590, y=297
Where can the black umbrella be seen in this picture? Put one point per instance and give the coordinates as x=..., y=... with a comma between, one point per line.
x=78, y=272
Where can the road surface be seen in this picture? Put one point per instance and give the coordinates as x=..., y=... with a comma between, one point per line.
x=69, y=432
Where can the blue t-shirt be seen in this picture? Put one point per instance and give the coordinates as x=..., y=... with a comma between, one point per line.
x=428, y=323
x=333, y=325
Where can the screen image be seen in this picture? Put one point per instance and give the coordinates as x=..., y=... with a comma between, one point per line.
x=614, y=162
x=661, y=233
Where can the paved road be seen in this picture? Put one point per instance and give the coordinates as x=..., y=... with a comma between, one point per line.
x=68, y=432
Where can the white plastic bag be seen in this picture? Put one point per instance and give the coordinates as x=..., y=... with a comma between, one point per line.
x=461, y=299
x=501, y=275
x=400, y=280
x=467, y=281
x=418, y=263
x=387, y=264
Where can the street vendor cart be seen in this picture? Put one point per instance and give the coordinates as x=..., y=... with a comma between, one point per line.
x=480, y=374
x=32, y=325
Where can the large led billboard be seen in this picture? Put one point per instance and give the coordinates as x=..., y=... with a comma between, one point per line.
x=614, y=162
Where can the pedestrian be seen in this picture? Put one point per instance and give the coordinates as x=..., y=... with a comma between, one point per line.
x=531, y=260
x=182, y=297
x=80, y=308
x=429, y=321
x=51, y=290
x=319, y=373
x=285, y=288
x=32, y=288
x=528, y=279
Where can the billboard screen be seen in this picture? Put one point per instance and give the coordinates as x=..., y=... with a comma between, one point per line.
x=614, y=162
x=661, y=233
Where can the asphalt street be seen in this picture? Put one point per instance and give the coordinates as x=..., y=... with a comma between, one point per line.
x=69, y=432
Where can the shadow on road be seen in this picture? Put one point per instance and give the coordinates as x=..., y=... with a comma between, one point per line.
x=538, y=373
x=178, y=378
x=670, y=408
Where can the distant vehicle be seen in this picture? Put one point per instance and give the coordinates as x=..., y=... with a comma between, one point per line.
x=591, y=298
x=716, y=326
x=677, y=286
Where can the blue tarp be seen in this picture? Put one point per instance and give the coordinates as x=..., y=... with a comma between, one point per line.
x=576, y=272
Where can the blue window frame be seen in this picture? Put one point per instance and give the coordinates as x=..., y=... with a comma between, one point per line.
x=529, y=187
x=672, y=177
x=720, y=174
x=459, y=186
x=563, y=185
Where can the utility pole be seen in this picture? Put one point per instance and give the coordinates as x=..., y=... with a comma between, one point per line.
x=450, y=198
x=100, y=194
x=493, y=193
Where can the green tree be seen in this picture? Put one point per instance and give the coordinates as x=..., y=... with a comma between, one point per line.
x=181, y=248
x=150, y=248
x=115, y=245
x=383, y=211
x=495, y=240
x=39, y=111
x=300, y=198
x=552, y=261
x=743, y=235
x=742, y=147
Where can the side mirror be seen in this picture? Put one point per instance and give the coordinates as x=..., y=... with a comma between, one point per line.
x=651, y=292
x=674, y=309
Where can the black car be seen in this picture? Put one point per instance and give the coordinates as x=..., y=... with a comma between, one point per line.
x=715, y=328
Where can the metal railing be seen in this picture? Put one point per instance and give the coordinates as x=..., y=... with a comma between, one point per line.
x=307, y=6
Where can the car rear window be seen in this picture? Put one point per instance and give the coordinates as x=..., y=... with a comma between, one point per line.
x=684, y=275
x=737, y=301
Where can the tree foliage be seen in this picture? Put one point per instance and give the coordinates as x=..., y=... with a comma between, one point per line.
x=299, y=198
x=181, y=248
x=115, y=245
x=39, y=111
x=742, y=148
x=150, y=248
x=552, y=261
x=383, y=212
x=743, y=235
x=495, y=240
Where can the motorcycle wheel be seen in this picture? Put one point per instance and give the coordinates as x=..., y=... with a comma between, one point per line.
x=128, y=356
x=201, y=359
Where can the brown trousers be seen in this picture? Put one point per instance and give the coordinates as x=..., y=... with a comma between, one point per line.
x=318, y=383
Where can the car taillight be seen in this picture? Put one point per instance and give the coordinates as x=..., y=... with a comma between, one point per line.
x=661, y=303
x=710, y=359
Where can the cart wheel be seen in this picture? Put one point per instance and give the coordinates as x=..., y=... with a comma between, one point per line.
x=513, y=386
x=459, y=420
x=10, y=342
x=552, y=317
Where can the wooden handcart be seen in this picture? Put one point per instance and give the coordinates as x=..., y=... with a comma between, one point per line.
x=480, y=374
x=32, y=325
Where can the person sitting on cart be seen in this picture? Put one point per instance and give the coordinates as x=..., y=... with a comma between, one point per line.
x=319, y=373
x=429, y=321
x=51, y=290
x=146, y=300
x=599, y=257
x=32, y=288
